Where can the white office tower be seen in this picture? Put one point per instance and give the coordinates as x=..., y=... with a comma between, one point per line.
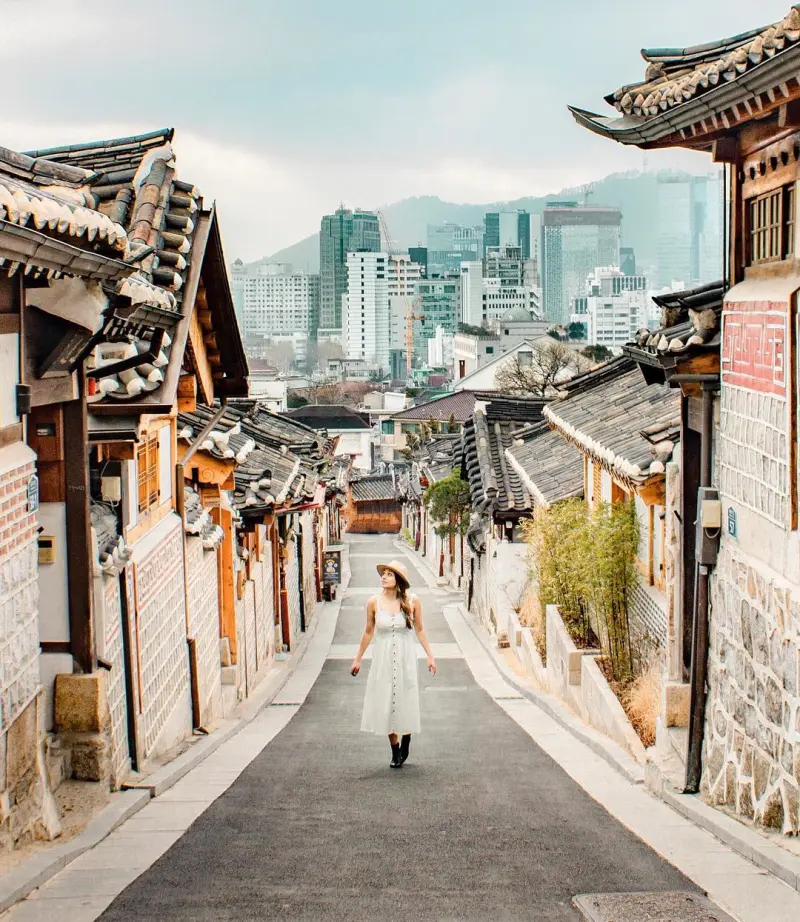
x=472, y=293
x=380, y=287
x=616, y=306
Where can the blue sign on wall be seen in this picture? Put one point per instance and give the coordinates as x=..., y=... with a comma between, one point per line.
x=732, y=524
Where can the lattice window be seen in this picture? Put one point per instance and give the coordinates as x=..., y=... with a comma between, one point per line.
x=147, y=473
x=597, y=483
x=771, y=225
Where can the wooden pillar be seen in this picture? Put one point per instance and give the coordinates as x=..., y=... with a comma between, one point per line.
x=79, y=539
x=227, y=590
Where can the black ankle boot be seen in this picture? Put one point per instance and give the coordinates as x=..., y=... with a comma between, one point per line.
x=405, y=742
x=396, y=759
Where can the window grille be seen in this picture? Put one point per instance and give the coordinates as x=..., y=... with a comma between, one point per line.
x=771, y=220
x=147, y=473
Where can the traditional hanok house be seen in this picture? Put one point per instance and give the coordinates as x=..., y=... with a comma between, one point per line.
x=688, y=343
x=550, y=467
x=739, y=100
x=432, y=462
x=353, y=431
x=499, y=497
x=269, y=502
x=627, y=432
x=373, y=505
x=168, y=339
x=60, y=261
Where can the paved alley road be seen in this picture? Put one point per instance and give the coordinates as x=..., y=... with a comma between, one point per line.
x=319, y=827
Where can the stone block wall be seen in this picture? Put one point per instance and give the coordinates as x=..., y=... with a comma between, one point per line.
x=26, y=804
x=752, y=456
x=752, y=745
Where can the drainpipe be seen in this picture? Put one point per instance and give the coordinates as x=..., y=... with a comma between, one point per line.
x=699, y=667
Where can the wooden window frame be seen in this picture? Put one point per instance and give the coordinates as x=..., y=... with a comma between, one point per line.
x=770, y=225
x=147, y=475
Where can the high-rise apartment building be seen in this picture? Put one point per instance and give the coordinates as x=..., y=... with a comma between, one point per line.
x=274, y=304
x=575, y=239
x=690, y=221
x=380, y=286
x=437, y=304
x=508, y=228
x=614, y=307
x=341, y=233
x=451, y=244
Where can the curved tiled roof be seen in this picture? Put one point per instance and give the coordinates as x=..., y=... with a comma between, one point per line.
x=493, y=481
x=726, y=71
x=611, y=417
x=459, y=405
x=550, y=467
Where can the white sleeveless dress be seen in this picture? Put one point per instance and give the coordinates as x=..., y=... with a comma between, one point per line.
x=391, y=703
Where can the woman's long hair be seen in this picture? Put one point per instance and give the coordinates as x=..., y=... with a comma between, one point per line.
x=405, y=603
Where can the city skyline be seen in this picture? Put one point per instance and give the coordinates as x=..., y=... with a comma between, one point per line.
x=300, y=131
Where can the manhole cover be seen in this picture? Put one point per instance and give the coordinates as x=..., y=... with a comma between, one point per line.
x=672, y=906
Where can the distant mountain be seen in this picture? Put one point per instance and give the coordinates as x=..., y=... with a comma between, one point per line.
x=635, y=193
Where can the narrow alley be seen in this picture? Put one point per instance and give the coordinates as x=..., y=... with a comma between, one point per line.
x=299, y=816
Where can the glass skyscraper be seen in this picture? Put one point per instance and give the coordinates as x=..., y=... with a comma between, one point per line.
x=575, y=241
x=341, y=233
x=451, y=244
x=437, y=304
x=690, y=220
x=508, y=228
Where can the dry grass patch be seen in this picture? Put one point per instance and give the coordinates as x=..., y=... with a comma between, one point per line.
x=642, y=702
x=532, y=615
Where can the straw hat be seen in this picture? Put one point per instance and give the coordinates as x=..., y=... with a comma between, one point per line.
x=397, y=568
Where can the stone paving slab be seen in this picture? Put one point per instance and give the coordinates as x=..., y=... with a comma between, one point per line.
x=649, y=907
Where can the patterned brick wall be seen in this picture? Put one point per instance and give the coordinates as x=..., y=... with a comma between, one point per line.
x=309, y=572
x=204, y=623
x=648, y=618
x=293, y=587
x=164, y=658
x=19, y=596
x=752, y=456
x=117, y=702
x=250, y=653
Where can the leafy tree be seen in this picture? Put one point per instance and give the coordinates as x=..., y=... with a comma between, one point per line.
x=549, y=363
x=597, y=353
x=449, y=504
x=471, y=329
x=576, y=330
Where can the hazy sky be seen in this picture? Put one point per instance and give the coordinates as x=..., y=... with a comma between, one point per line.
x=285, y=108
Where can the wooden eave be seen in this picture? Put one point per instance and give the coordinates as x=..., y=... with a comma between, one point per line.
x=231, y=375
x=164, y=400
x=711, y=116
x=207, y=470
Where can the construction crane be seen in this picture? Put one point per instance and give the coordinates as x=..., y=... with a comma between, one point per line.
x=587, y=190
x=392, y=249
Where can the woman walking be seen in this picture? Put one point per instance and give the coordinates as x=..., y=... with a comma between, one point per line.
x=391, y=703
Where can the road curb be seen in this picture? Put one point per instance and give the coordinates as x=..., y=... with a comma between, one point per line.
x=742, y=839
x=22, y=880
x=605, y=748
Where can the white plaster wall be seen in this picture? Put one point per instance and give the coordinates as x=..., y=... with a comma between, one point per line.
x=53, y=599
x=9, y=378
x=165, y=466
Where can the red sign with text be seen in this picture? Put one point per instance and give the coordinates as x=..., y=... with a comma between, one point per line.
x=754, y=338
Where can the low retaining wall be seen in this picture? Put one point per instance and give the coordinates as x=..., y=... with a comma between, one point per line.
x=573, y=676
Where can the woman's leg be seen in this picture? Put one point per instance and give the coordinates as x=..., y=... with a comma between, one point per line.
x=405, y=743
x=396, y=760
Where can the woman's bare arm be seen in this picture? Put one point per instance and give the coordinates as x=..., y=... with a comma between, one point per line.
x=366, y=637
x=419, y=627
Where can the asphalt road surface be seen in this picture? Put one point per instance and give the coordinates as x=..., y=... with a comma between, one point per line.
x=319, y=826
